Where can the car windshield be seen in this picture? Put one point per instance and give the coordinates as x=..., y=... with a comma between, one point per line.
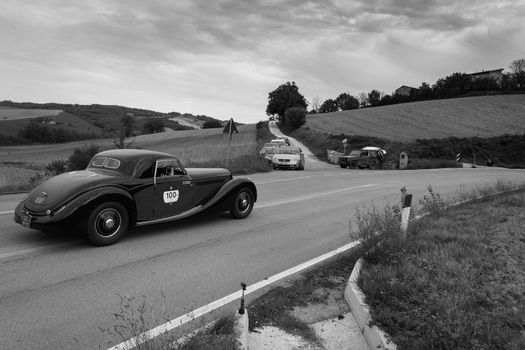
x=355, y=153
x=271, y=144
x=289, y=150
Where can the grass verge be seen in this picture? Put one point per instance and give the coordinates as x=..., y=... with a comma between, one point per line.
x=457, y=280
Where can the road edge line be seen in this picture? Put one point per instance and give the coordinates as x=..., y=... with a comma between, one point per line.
x=194, y=314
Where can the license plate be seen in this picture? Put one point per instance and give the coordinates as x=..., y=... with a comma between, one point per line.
x=26, y=220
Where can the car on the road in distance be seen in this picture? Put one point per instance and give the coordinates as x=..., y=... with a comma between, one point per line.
x=121, y=189
x=269, y=149
x=288, y=157
x=367, y=157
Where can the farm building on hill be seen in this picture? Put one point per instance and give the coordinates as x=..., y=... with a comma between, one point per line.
x=496, y=74
x=405, y=90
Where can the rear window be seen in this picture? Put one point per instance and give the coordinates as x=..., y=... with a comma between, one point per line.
x=105, y=162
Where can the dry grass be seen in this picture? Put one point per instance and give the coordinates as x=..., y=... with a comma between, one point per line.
x=195, y=148
x=482, y=116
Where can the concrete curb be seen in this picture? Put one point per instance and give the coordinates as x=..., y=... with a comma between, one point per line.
x=241, y=328
x=375, y=338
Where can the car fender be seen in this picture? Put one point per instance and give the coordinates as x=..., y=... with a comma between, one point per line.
x=228, y=189
x=83, y=200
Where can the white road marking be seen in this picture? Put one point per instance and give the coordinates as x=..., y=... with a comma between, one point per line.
x=311, y=196
x=166, y=327
x=283, y=180
x=36, y=249
x=7, y=212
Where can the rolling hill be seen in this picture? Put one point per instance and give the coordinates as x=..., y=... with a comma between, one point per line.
x=95, y=119
x=481, y=116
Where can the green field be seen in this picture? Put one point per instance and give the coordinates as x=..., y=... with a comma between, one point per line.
x=482, y=116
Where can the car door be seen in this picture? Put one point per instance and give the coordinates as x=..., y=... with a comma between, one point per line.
x=173, y=189
x=363, y=159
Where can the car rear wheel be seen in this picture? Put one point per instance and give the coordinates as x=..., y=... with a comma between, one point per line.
x=372, y=165
x=242, y=203
x=342, y=165
x=353, y=164
x=107, y=223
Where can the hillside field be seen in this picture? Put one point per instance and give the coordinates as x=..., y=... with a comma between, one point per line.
x=195, y=148
x=8, y=114
x=18, y=120
x=482, y=116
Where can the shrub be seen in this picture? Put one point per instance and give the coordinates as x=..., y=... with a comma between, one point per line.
x=380, y=234
x=294, y=118
x=153, y=125
x=58, y=166
x=210, y=124
x=432, y=204
x=80, y=158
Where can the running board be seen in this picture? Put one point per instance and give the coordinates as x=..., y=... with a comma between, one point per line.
x=180, y=216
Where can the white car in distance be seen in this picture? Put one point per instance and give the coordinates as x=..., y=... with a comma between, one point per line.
x=288, y=157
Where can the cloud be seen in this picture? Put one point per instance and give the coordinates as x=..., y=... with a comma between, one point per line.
x=225, y=56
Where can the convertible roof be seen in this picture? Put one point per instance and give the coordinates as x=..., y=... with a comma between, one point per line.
x=134, y=161
x=133, y=154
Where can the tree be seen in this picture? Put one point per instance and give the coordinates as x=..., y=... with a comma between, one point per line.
x=153, y=125
x=363, y=99
x=316, y=105
x=374, y=98
x=127, y=123
x=210, y=124
x=284, y=97
x=329, y=106
x=346, y=101
x=453, y=85
x=295, y=117
x=518, y=71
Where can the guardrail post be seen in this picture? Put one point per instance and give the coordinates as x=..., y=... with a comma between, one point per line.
x=405, y=213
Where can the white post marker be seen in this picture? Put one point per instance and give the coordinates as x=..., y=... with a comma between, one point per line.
x=405, y=213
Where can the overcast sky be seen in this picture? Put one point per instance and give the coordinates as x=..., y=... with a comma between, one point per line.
x=222, y=58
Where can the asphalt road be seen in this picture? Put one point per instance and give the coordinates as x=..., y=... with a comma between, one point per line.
x=58, y=291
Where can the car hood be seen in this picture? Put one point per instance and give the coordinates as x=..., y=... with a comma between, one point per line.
x=286, y=156
x=60, y=188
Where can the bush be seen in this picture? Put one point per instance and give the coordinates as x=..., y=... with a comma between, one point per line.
x=294, y=118
x=56, y=167
x=35, y=132
x=153, y=125
x=432, y=204
x=380, y=234
x=80, y=158
x=210, y=124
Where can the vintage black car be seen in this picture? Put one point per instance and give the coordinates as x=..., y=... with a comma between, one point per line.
x=121, y=189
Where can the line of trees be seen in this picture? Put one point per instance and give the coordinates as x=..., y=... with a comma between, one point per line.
x=454, y=85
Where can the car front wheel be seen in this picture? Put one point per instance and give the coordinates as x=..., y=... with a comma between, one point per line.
x=242, y=203
x=107, y=223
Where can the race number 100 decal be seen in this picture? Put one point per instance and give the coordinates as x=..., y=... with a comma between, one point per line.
x=171, y=196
